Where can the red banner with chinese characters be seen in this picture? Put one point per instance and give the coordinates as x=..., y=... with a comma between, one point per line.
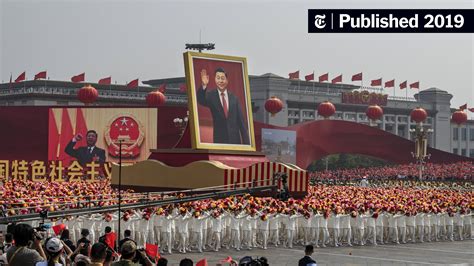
x=55, y=171
x=365, y=98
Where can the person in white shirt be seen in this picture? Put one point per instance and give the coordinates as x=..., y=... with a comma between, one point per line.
x=333, y=224
x=263, y=227
x=449, y=225
x=315, y=222
x=182, y=223
x=216, y=222
x=306, y=228
x=345, y=226
x=410, y=223
x=166, y=232
x=442, y=226
x=291, y=227
x=247, y=230
x=402, y=227
x=420, y=226
x=323, y=224
x=467, y=222
x=274, y=226
x=434, y=225
x=427, y=224
x=157, y=225
x=379, y=230
x=360, y=231
x=392, y=226
x=236, y=219
x=197, y=228
x=371, y=230
x=458, y=222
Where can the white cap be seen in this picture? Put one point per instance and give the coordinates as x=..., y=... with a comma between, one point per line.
x=54, y=245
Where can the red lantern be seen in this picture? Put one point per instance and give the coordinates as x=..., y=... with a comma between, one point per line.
x=87, y=94
x=374, y=112
x=418, y=115
x=459, y=117
x=155, y=98
x=273, y=105
x=326, y=109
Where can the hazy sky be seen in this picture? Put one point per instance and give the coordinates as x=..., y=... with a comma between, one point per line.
x=145, y=39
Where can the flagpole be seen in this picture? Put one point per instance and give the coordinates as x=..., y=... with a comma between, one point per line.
x=394, y=88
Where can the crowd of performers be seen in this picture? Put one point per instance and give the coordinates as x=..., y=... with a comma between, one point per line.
x=455, y=171
x=328, y=216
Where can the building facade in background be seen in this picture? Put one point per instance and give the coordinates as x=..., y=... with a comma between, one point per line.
x=300, y=98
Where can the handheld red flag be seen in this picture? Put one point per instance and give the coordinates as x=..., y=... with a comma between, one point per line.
x=471, y=109
x=202, y=262
x=110, y=239
x=309, y=77
x=463, y=107
x=415, y=85
x=403, y=85
x=294, y=75
x=41, y=75
x=390, y=84
x=132, y=84
x=21, y=77
x=105, y=81
x=357, y=77
x=59, y=228
x=376, y=82
x=324, y=77
x=79, y=78
x=152, y=250
x=337, y=79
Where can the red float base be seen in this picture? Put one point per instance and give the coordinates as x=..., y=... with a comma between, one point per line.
x=181, y=157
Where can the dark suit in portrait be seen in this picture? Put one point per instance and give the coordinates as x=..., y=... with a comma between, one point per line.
x=228, y=130
x=84, y=154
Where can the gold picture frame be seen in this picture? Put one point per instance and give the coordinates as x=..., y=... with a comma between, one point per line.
x=197, y=112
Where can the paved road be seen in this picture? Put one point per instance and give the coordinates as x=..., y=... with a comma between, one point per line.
x=445, y=253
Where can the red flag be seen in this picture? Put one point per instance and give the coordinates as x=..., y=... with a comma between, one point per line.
x=376, y=82
x=357, y=77
x=105, y=81
x=415, y=85
x=403, y=85
x=390, y=84
x=132, y=84
x=79, y=78
x=471, y=109
x=81, y=127
x=65, y=137
x=40, y=75
x=183, y=88
x=202, y=262
x=162, y=88
x=110, y=239
x=309, y=77
x=152, y=250
x=21, y=77
x=324, y=77
x=463, y=107
x=337, y=79
x=59, y=228
x=294, y=75
x=53, y=136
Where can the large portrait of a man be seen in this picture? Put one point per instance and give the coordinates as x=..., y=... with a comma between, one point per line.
x=219, y=102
